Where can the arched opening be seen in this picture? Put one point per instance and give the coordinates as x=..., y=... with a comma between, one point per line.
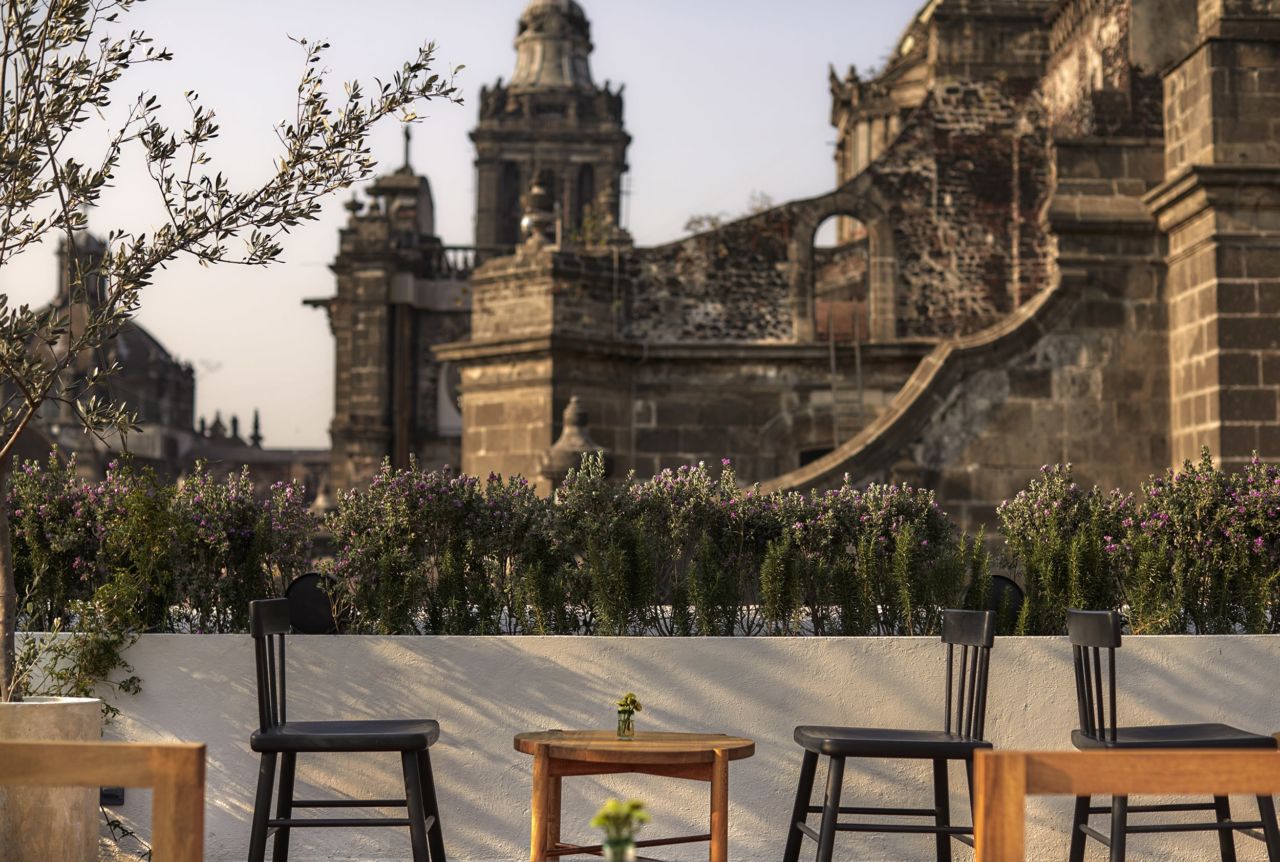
x=841, y=280
x=841, y=271
x=509, y=209
x=585, y=196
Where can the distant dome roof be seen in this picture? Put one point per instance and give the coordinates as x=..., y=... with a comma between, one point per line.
x=568, y=6
x=553, y=45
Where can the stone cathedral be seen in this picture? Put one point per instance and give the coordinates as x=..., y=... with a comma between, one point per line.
x=1058, y=239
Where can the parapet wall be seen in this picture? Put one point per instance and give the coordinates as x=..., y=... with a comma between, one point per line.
x=485, y=690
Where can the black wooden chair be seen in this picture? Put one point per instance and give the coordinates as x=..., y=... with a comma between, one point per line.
x=310, y=609
x=277, y=737
x=964, y=722
x=1091, y=633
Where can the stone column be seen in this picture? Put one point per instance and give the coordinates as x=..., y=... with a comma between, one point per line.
x=1220, y=207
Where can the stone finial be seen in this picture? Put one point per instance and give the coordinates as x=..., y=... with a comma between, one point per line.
x=566, y=454
x=255, y=439
x=608, y=202
x=323, y=503
x=539, y=219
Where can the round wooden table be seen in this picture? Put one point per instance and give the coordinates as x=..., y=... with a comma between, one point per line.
x=694, y=756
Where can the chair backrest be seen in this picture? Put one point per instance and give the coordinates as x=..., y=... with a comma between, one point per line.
x=1091, y=633
x=973, y=632
x=310, y=608
x=268, y=623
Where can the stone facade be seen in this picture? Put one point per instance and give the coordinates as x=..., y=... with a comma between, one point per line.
x=1058, y=240
x=552, y=325
x=1158, y=331
x=400, y=291
x=1221, y=209
x=551, y=124
x=747, y=342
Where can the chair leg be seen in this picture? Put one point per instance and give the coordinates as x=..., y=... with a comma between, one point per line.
x=284, y=806
x=435, y=836
x=1226, y=838
x=1119, y=826
x=800, y=811
x=942, y=809
x=831, y=809
x=417, y=811
x=1079, y=819
x=262, y=808
x=1267, y=812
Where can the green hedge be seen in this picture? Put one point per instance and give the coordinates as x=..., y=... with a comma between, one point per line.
x=688, y=552
x=684, y=553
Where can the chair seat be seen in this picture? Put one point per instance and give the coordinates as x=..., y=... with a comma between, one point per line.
x=1176, y=736
x=880, y=742
x=377, y=735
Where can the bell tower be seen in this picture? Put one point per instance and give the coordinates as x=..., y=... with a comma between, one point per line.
x=550, y=123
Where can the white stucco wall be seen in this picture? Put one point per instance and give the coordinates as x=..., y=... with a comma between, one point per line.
x=484, y=690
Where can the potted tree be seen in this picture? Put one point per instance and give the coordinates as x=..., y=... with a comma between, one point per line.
x=620, y=822
x=66, y=59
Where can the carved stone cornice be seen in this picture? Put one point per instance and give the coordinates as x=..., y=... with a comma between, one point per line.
x=1067, y=17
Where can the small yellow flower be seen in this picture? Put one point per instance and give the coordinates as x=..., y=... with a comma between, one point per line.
x=620, y=819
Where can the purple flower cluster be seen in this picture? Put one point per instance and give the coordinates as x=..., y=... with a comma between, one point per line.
x=196, y=552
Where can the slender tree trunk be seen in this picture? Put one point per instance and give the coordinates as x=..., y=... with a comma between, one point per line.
x=8, y=597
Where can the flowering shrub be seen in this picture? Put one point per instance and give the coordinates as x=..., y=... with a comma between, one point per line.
x=171, y=557
x=879, y=560
x=1063, y=539
x=230, y=548
x=687, y=552
x=1204, y=548
x=1197, y=551
x=440, y=553
x=56, y=538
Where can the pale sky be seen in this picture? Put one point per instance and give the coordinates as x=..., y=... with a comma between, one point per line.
x=723, y=98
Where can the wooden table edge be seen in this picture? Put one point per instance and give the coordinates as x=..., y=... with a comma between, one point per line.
x=736, y=748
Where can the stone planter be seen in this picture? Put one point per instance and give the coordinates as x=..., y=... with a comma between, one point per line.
x=38, y=824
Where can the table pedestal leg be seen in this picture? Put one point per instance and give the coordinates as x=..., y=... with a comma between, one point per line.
x=720, y=807
x=553, y=812
x=539, y=805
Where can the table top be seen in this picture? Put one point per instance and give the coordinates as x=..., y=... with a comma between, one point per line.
x=603, y=746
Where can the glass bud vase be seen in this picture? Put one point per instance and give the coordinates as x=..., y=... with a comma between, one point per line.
x=620, y=850
x=626, y=724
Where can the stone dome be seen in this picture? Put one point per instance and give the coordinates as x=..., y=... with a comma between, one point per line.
x=553, y=44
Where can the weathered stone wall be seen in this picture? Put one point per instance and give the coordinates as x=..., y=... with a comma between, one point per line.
x=968, y=242
x=548, y=328
x=360, y=432
x=1077, y=375
x=764, y=407
x=1160, y=336
x=1221, y=207
x=1094, y=84
x=988, y=40
x=961, y=189
x=730, y=284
